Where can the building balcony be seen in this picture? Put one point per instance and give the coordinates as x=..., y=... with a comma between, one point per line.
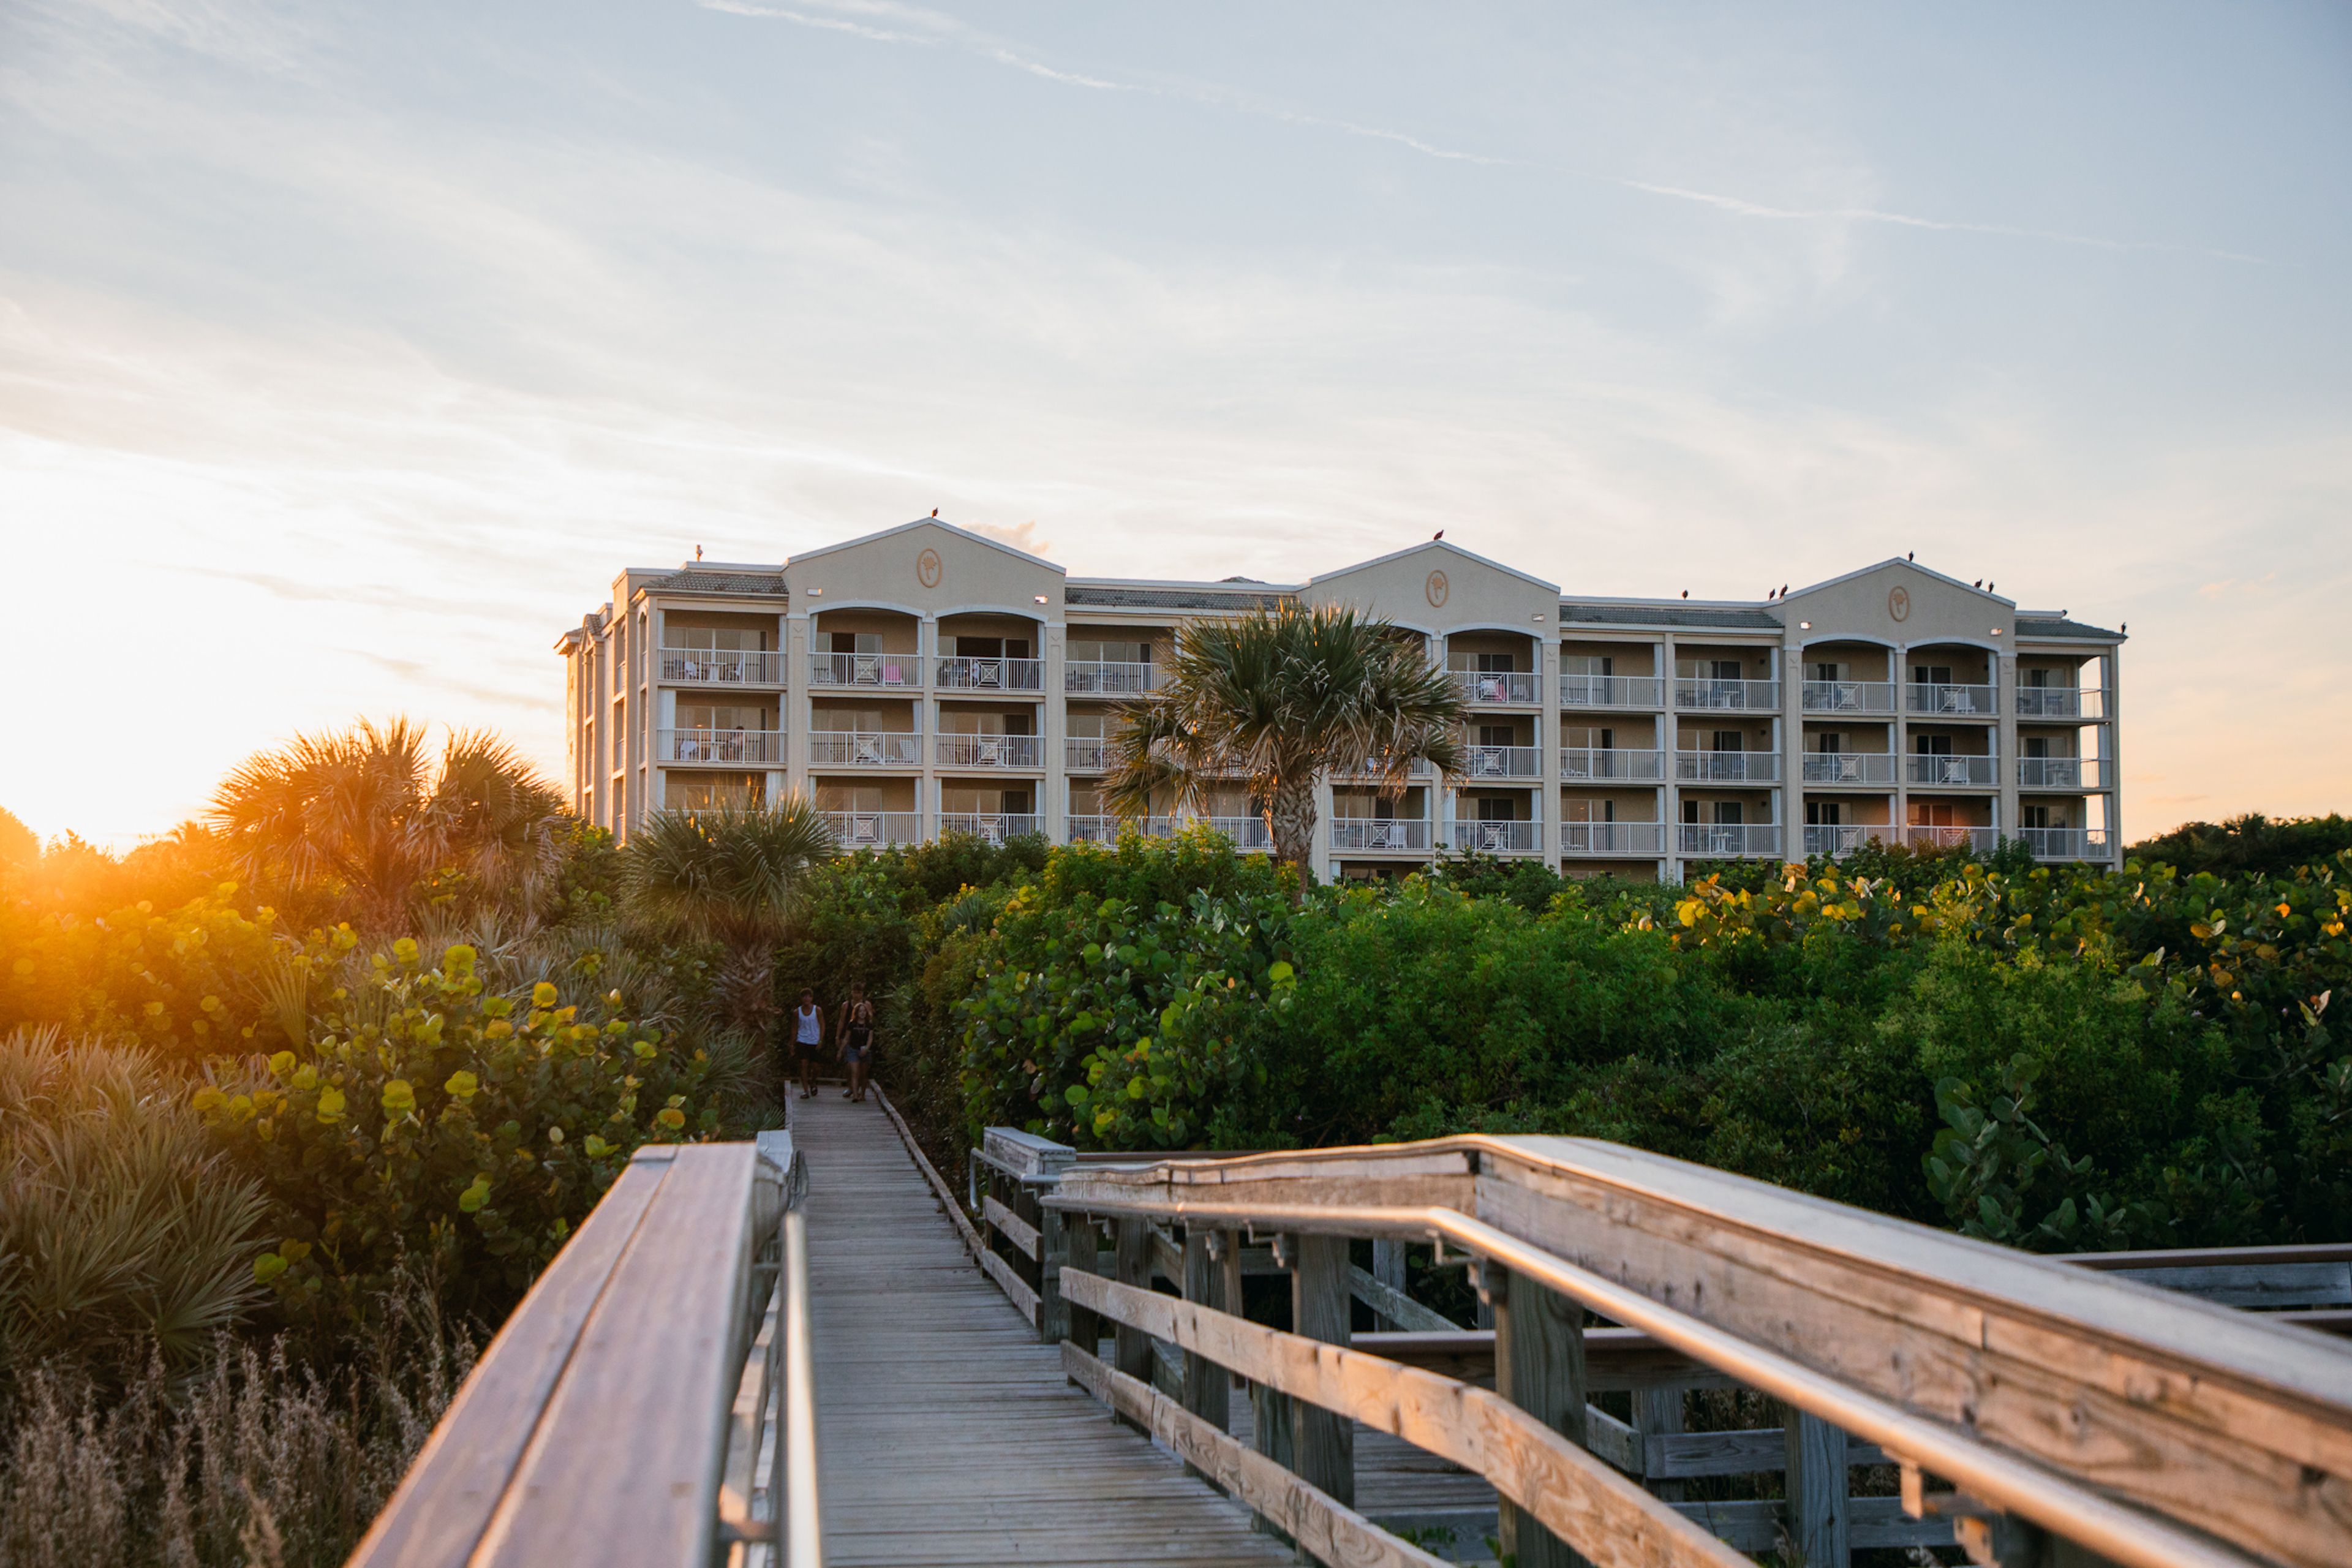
x=1496, y=838
x=1982, y=840
x=1419, y=768
x=988, y=751
x=1373, y=834
x=865, y=749
x=991, y=674
x=1727, y=767
x=1613, y=838
x=1729, y=840
x=1106, y=829
x=1849, y=767
x=1582, y=764
x=721, y=667
x=1613, y=692
x=887, y=671
x=1084, y=753
x=995, y=827
x=1941, y=771
x=722, y=748
x=1848, y=696
x=1502, y=763
x=874, y=829
x=1844, y=838
x=1093, y=679
x=2060, y=702
x=1735, y=696
x=2068, y=842
x=1247, y=833
x=1953, y=701
x=1498, y=688
x=2061, y=773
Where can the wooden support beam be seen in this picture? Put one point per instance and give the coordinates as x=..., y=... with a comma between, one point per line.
x=1052, y=1309
x=1325, y=1528
x=1010, y=1225
x=1539, y=1367
x=1817, y=1489
x=1568, y=1490
x=1394, y=1308
x=1388, y=1270
x=1133, y=1352
x=1325, y=1443
x=1207, y=1393
x=1078, y=1247
x=1658, y=1413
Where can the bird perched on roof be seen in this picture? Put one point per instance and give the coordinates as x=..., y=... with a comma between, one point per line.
x=1980, y=583
x=1686, y=593
x=935, y=512
x=1910, y=555
x=697, y=552
x=1438, y=535
x=1988, y=587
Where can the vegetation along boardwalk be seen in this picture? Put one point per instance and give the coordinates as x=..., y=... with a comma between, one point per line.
x=946, y=1432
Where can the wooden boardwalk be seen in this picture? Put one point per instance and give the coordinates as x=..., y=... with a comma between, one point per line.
x=946, y=1432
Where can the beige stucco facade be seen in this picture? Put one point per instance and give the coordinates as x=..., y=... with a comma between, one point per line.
x=926, y=679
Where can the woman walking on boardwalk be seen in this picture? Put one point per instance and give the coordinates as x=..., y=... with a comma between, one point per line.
x=855, y=1029
x=805, y=1035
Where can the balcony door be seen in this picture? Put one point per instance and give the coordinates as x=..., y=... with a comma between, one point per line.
x=1824, y=813
x=1931, y=675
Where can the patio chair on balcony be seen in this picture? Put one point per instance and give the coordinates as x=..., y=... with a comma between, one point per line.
x=893, y=674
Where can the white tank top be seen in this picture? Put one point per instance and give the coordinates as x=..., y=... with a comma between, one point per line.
x=812, y=1025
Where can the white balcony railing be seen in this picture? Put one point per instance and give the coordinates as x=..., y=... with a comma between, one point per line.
x=1844, y=838
x=1748, y=695
x=1936, y=769
x=995, y=827
x=1380, y=833
x=1729, y=840
x=1097, y=678
x=1247, y=832
x=1962, y=701
x=2059, y=772
x=1611, y=692
x=1084, y=753
x=1491, y=686
x=1613, y=838
x=874, y=829
x=885, y=669
x=1849, y=767
x=1581, y=764
x=2060, y=702
x=1502, y=763
x=1728, y=767
x=1983, y=840
x=1106, y=829
x=735, y=748
x=722, y=667
x=1497, y=837
x=864, y=749
x=988, y=751
x=2067, y=843
x=1419, y=768
x=1848, y=696
x=957, y=674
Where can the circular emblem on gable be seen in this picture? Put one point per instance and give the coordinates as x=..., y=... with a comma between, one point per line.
x=927, y=568
x=1436, y=588
x=1898, y=603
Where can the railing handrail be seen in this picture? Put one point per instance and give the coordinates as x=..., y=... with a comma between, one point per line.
x=1813, y=1302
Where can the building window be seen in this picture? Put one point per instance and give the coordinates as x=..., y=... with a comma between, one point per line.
x=1824, y=813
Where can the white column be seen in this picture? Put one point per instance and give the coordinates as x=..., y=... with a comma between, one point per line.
x=2111, y=770
x=1054, y=808
x=927, y=719
x=1668, y=740
x=800, y=712
x=2003, y=669
x=1548, y=733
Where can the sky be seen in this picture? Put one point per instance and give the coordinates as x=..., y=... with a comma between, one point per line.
x=348, y=351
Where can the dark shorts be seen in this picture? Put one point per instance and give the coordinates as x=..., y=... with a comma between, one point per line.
x=855, y=1056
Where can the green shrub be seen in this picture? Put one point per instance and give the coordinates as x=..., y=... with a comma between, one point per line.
x=433, y=1121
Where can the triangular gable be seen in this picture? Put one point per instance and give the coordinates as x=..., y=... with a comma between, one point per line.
x=965, y=534
x=1437, y=546
x=1908, y=565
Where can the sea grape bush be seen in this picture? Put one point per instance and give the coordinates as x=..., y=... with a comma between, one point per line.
x=436, y=1124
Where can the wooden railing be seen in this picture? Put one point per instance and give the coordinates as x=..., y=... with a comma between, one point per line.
x=2037, y=1410
x=622, y=1415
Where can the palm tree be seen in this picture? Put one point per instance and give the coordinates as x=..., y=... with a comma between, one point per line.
x=367, y=814
x=727, y=874
x=1281, y=696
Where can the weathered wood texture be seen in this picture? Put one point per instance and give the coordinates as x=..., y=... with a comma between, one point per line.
x=1324, y=1443
x=1539, y=1367
x=1326, y=1528
x=1010, y=1225
x=1574, y=1494
x=948, y=1435
x=2207, y=1415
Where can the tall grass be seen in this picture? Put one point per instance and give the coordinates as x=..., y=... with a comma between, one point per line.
x=253, y=1459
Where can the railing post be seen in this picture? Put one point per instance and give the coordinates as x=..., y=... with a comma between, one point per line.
x=1658, y=1413
x=1208, y=1392
x=1539, y=1367
x=1817, y=1487
x=1078, y=1241
x=1052, y=1308
x=1133, y=1349
x=1388, y=1267
x=1325, y=1441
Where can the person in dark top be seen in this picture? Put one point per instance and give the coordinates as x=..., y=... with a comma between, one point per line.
x=855, y=1029
x=805, y=1040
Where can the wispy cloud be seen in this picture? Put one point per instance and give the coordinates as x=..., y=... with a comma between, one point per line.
x=939, y=29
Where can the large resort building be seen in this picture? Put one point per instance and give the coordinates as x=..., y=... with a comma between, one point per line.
x=927, y=681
